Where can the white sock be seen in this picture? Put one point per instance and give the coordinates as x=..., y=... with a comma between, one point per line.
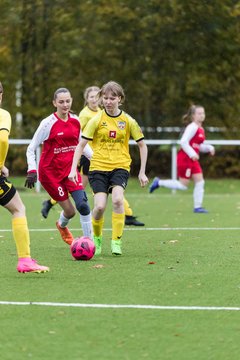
x=86, y=222
x=172, y=184
x=198, y=193
x=63, y=221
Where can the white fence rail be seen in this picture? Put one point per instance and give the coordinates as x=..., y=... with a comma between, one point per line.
x=173, y=144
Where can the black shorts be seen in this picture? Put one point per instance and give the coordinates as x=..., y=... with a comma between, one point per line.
x=84, y=165
x=7, y=191
x=104, y=181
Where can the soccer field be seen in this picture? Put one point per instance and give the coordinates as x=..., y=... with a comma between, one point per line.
x=173, y=294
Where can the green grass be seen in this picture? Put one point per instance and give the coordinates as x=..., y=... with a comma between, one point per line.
x=191, y=268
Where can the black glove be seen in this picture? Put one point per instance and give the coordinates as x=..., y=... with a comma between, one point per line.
x=31, y=179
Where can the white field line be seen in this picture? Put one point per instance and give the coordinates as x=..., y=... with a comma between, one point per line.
x=44, y=195
x=119, y=306
x=144, y=229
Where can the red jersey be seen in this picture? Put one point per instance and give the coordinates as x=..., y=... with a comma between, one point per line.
x=59, y=139
x=192, y=143
x=197, y=139
x=192, y=138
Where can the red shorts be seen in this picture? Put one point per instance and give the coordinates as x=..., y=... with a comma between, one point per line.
x=59, y=191
x=186, y=167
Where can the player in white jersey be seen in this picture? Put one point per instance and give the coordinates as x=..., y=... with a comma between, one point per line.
x=60, y=134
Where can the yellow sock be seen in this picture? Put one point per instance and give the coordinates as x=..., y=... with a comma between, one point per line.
x=128, y=211
x=97, y=226
x=117, y=225
x=21, y=236
x=53, y=202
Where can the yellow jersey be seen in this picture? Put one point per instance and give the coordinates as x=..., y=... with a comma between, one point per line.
x=86, y=114
x=5, y=127
x=110, y=140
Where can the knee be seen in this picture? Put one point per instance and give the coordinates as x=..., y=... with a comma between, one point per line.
x=200, y=183
x=117, y=202
x=22, y=209
x=99, y=209
x=83, y=208
x=70, y=213
x=19, y=210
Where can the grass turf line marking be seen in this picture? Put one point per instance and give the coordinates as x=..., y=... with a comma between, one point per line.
x=119, y=306
x=143, y=229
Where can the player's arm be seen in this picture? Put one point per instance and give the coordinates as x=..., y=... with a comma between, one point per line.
x=31, y=150
x=40, y=135
x=32, y=164
x=207, y=148
x=136, y=133
x=86, y=136
x=143, y=150
x=87, y=151
x=5, y=126
x=188, y=134
x=77, y=154
x=4, y=134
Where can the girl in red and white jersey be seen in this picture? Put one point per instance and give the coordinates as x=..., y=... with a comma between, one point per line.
x=60, y=134
x=188, y=166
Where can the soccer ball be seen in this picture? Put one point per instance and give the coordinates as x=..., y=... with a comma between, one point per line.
x=82, y=248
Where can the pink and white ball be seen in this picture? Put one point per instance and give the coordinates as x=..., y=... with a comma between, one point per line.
x=82, y=248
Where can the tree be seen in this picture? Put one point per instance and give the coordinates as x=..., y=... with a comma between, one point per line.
x=166, y=54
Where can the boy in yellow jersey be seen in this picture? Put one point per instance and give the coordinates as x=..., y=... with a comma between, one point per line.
x=91, y=109
x=110, y=131
x=10, y=199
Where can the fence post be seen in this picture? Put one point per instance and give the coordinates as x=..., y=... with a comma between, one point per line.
x=174, y=164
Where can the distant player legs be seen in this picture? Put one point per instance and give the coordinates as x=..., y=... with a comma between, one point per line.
x=184, y=181
x=118, y=215
x=198, y=191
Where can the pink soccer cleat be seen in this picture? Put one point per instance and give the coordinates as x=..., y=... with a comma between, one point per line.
x=65, y=234
x=27, y=265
